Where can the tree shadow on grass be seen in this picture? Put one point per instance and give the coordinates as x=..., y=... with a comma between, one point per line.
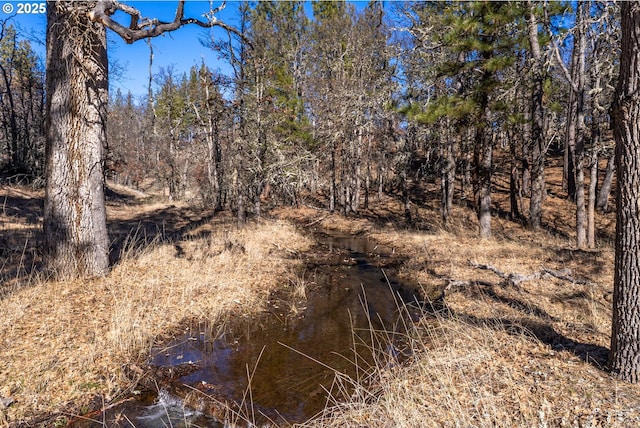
x=593, y=354
x=590, y=263
x=21, y=234
x=534, y=322
x=527, y=308
x=171, y=224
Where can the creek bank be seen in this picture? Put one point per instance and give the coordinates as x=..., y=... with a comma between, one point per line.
x=277, y=368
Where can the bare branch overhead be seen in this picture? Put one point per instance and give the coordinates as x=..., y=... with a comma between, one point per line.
x=143, y=28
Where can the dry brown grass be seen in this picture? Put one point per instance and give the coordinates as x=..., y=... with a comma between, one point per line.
x=20, y=225
x=497, y=355
x=468, y=375
x=65, y=341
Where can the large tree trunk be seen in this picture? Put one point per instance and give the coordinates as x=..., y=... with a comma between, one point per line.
x=483, y=154
x=538, y=140
x=75, y=227
x=625, y=336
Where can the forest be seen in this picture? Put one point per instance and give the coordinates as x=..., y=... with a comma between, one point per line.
x=348, y=104
x=491, y=146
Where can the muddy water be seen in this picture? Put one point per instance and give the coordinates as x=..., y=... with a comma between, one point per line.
x=278, y=367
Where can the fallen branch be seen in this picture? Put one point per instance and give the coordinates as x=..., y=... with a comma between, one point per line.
x=565, y=275
x=515, y=279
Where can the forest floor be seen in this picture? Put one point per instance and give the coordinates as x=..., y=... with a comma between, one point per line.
x=519, y=336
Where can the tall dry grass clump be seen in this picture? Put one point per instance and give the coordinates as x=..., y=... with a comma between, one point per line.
x=64, y=341
x=461, y=374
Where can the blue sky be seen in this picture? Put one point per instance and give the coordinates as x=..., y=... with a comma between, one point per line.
x=180, y=49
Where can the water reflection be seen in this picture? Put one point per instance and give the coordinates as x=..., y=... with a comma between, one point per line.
x=278, y=367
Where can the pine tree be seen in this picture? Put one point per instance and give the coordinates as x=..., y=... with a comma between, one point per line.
x=474, y=45
x=624, y=358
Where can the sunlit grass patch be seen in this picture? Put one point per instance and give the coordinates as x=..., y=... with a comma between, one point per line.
x=63, y=340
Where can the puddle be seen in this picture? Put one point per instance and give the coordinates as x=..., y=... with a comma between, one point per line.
x=275, y=367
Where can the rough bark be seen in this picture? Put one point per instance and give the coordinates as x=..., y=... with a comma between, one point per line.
x=76, y=243
x=624, y=358
x=538, y=143
x=483, y=154
x=75, y=228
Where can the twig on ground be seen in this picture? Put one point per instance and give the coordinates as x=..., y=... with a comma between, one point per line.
x=317, y=220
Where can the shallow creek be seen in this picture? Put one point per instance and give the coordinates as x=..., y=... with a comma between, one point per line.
x=278, y=367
